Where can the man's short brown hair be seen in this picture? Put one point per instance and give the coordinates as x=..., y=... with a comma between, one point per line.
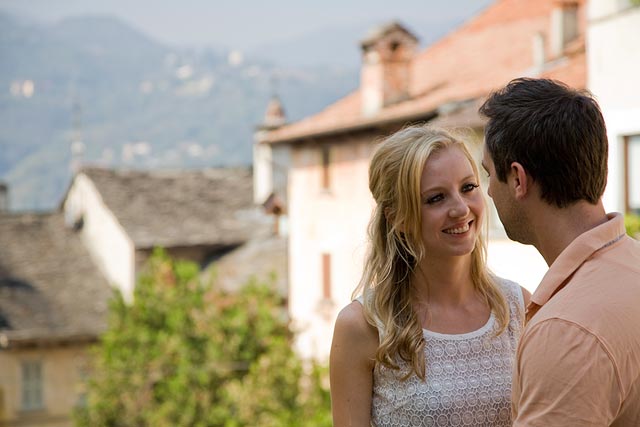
x=557, y=133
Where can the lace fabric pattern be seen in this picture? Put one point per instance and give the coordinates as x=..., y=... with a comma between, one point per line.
x=468, y=377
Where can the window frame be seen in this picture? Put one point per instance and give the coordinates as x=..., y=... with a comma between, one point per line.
x=32, y=385
x=325, y=164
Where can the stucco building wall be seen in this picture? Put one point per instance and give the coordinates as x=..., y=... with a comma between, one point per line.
x=64, y=372
x=107, y=241
x=613, y=59
x=330, y=221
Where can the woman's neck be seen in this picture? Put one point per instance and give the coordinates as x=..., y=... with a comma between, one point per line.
x=444, y=281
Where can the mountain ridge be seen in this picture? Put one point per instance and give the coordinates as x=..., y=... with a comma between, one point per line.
x=133, y=102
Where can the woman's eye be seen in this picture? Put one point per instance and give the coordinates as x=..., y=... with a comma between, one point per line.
x=469, y=187
x=434, y=199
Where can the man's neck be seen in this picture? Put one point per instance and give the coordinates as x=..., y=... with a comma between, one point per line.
x=555, y=228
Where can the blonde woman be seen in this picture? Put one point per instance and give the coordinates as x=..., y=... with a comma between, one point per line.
x=432, y=337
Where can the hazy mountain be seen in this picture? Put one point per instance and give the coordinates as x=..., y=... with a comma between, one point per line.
x=340, y=45
x=133, y=102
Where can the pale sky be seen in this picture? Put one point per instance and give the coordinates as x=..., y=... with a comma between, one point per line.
x=244, y=24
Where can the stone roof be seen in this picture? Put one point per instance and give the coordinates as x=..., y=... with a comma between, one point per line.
x=480, y=56
x=263, y=258
x=50, y=290
x=179, y=208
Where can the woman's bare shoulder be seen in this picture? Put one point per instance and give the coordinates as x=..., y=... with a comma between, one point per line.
x=351, y=367
x=352, y=326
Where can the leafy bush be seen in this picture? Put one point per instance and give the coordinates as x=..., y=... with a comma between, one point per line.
x=632, y=224
x=189, y=354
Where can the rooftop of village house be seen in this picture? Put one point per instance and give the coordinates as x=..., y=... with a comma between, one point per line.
x=178, y=208
x=49, y=288
x=478, y=57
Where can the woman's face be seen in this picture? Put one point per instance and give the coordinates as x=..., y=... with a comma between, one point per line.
x=452, y=204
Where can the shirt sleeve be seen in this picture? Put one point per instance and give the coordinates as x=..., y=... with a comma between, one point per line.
x=564, y=376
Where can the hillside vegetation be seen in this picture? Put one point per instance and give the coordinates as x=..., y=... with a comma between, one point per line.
x=133, y=102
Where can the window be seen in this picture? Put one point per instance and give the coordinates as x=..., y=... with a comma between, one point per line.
x=326, y=181
x=83, y=380
x=632, y=173
x=31, y=385
x=326, y=276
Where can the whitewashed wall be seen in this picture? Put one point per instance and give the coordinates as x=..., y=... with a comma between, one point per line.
x=262, y=172
x=110, y=247
x=613, y=59
x=325, y=221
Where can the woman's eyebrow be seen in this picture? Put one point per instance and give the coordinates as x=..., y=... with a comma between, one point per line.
x=439, y=187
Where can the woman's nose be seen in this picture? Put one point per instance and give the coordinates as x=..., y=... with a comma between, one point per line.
x=459, y=208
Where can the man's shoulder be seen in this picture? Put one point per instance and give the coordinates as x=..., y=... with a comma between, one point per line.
x=602, y=297
x=610, y=274
x=542, y=322
x=598, y=304
x=564, y=375
x=624, y=255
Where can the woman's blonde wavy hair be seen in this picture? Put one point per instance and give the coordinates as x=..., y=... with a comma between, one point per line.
x=396, y=246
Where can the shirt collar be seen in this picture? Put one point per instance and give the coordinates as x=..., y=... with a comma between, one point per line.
x=577, y=253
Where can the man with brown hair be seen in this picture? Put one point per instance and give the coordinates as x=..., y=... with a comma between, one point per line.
x=578, y=360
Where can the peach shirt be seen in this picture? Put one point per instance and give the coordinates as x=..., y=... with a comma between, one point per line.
x=578, y=360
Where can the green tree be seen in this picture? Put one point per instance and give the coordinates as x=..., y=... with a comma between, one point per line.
x=632, y=224
x=186, y=353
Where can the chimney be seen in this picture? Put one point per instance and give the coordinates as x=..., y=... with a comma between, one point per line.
x=265, y=171
x=564, y=25
x=4, y=197
x=274, y=117
x=386, y=67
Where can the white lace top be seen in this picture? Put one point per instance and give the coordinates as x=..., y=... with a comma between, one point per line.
x=468, y=377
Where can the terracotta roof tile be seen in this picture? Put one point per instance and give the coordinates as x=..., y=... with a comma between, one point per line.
x=482, y=55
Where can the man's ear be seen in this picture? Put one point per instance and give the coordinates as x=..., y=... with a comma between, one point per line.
x=520, y=182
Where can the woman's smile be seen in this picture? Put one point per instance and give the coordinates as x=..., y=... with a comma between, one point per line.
x=459, y=229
